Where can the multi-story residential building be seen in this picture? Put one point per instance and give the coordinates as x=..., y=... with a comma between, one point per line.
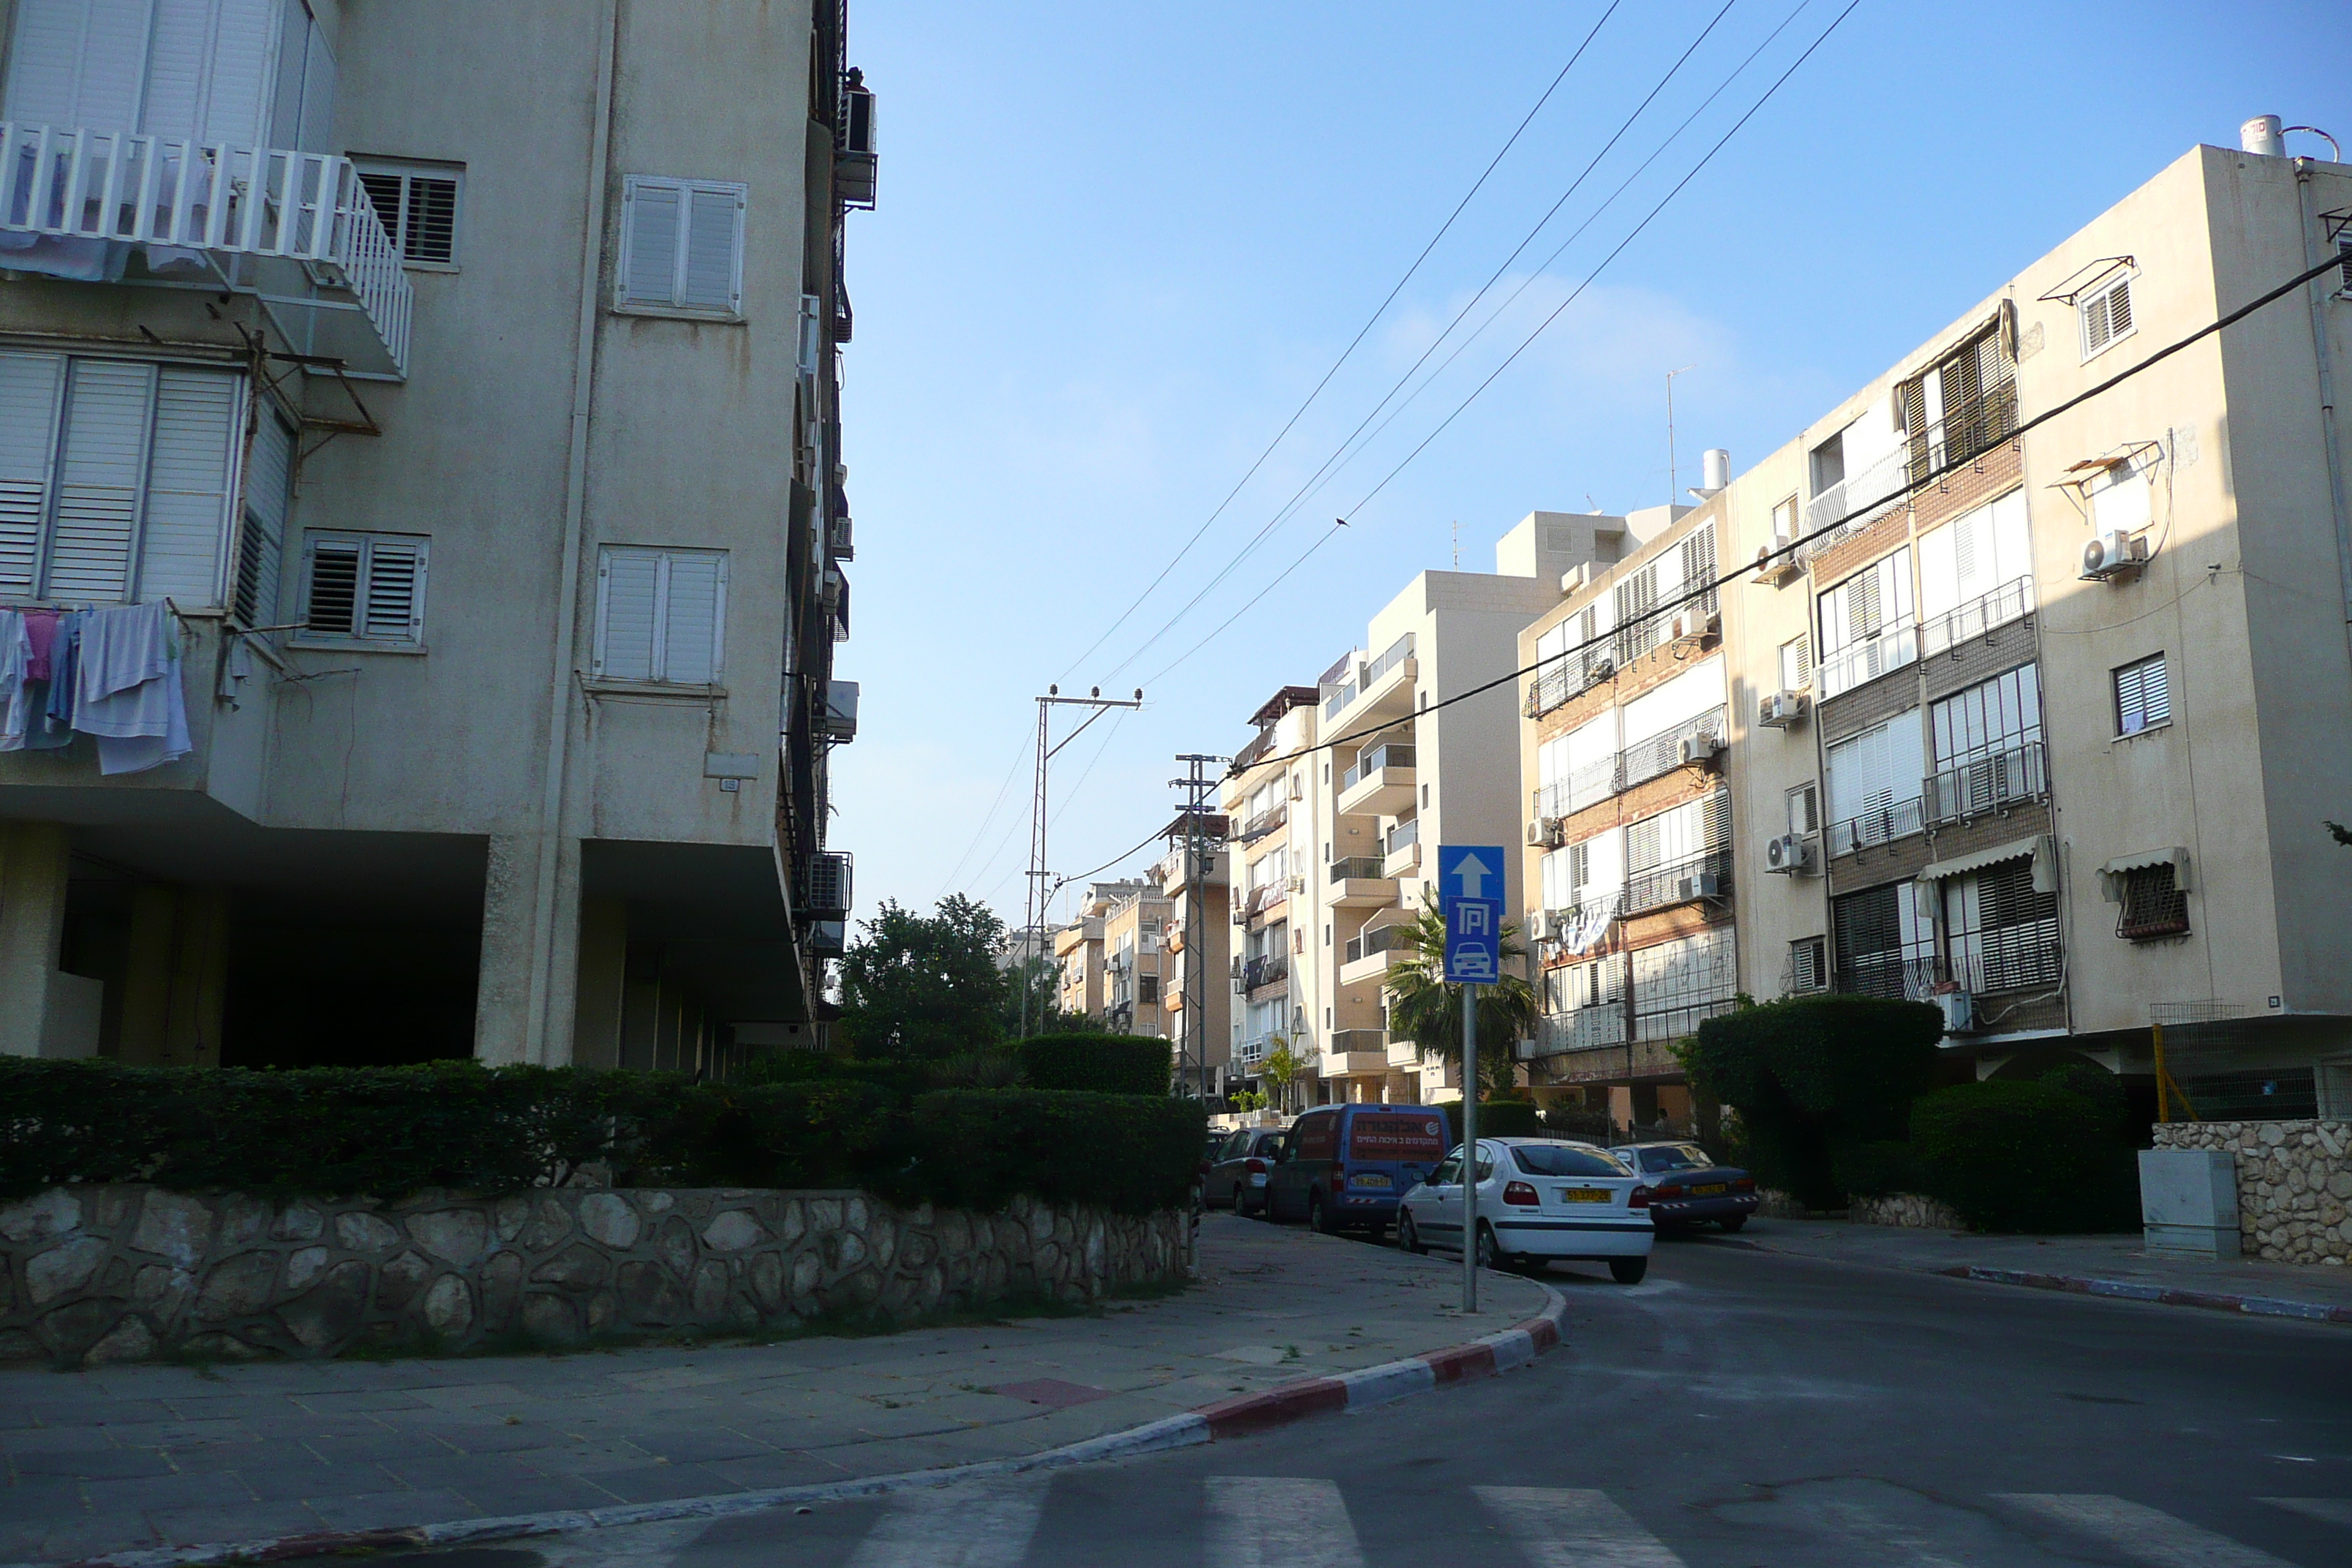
x=1195, y=879
x=460, y=448
x=2045, y=724
x=1265, y=802
x=1079, y=949
x=1137, y=967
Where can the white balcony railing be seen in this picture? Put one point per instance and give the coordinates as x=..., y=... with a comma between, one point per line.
x=1891, y=649
x=2010, y=602
x=171, y=195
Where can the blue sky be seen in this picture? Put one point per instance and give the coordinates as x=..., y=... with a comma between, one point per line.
x=1119, y=243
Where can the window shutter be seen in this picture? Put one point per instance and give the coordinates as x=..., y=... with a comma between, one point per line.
x=2119, y=309
x=395, y=605
x=237, y=90
x=261, y=546
x=713, y=250
x=175, y=68
x=108, y=403
x=79, y=63
x=624, y=626
x=315, y=123
x=187, y=487
x=649, y=242
x=29, y=384
x=694, y=603
x=332, y=603
x=429, y=229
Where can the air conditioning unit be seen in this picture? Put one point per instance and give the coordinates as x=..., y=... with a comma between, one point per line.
x=1697, y=750
x=1705, y=885
x=1694, y=622
x=1779, y=710
x=840, y=539
x=1788, y=855
x=1578, y=578
x=1299, y=884
x=1535, y=835
x=1540, y=926
x=1776, y=563
x=1959, y=1009
x=2112, y=554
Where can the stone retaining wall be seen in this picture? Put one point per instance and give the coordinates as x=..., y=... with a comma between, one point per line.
x=2294, y=1184
x=1908, y=1209
x=120, y=1273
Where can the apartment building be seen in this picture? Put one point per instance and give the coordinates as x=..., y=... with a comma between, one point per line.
x=1195, y=879
x=456, y=450
x=1079, y=951
x=2045, y=725
x=1137, y=967
x=1267, y=803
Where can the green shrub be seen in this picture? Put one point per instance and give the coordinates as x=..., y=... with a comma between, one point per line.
x=2021, y=1155
x=1811, y=1074
x=1876, y=1170
x=975, y=1148
x=1584, y=1126
x=1098, y=1064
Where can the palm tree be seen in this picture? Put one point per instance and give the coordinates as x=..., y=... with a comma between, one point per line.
x=1425, y=1010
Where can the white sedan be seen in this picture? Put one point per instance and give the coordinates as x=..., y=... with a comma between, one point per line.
x=1538, y=1199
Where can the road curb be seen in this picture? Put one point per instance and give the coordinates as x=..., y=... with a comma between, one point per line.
x=1488, y=1356
x=2165, y=1295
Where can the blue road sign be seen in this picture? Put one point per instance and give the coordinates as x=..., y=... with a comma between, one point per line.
x=1470, y=891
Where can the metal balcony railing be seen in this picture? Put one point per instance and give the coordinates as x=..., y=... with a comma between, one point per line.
x=1880, y=824
x=1265, y=821
x=1993, y=782
x=1367, y=676
x=1662, y=753
x=1588, y=785
x=1702, y=875
x=1891, y=649
x=1266, y=971
x=1553, y=685
x=1580, y=925
x=1385, y=939
x=1356, y=865
x=1391, y=755
x=1345, y=1042
x=2010, y=602
x=1404, y=835
x=167, y=194
x=1602, y=1024
x=1883, y=480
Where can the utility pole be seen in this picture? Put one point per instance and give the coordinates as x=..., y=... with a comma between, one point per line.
x=1034, y=907
x=1197, y=784
x=1674, y=474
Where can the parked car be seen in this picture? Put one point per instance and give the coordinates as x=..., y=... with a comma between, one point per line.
x=1687, y=1187
x=1538, y=1199
x=1238, y=1171
x=1343, y=1167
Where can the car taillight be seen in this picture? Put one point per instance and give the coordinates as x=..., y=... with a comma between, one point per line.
x=1521, y=1193
x=1745, y=1184
x=1639, y=1198
x=1255, y=1167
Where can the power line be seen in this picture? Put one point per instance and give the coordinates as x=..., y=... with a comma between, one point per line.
x=1952, y=465
x=1352, y=344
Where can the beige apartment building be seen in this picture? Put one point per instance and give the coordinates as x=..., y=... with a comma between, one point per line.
x=460, y=447
x=1265, y=788
x=1079, y=951
x=1195, y=878
x=1137, y=966
x=2047, y=727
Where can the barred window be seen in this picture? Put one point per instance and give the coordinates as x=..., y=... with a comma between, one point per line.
x=2143, y=695
x=1677, y=983
x=2154, y=904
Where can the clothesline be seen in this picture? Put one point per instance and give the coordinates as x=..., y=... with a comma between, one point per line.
x=111, y=673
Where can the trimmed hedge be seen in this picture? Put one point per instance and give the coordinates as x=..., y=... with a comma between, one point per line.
x=1496, y=1119
x=2024, y=1156
x=390, y=1131
x=1098, y=1064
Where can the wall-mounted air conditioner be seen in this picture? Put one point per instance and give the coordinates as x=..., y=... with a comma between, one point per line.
x=1705, y=885
x=1779, y=710
x=1959, y=1012
x=1299, y=884
x=1776, y=563
x=2111, y=555
x=1697, y=750
x=1788, y=855
x=1540, y=926
x=1695, y=622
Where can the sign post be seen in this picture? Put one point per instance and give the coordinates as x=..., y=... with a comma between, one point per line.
x=1470, y=891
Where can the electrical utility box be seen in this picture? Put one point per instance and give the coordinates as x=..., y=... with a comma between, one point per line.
x=2188, y=1202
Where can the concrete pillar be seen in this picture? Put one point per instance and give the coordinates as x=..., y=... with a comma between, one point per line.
x=604, y=968
x=523, y=1002
x=33, y=861
x=175, y=977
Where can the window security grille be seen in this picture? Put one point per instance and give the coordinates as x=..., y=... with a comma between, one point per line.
x=2143, y=695
x=681, y=247
x=368, y=587
x=417, y=204
x=661, y=614
x=2153, y=904
x=2106, y=315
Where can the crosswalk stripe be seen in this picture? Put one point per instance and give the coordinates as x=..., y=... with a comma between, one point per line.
x=2327, y=1509
x=1561, y=1527
x=980, y=1525
x=2138, y=1531
x=1262, y=1521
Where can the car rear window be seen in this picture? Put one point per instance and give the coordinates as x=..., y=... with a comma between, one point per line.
x=1413, y=1135
x=1675, y=1157
x=1560, y=1160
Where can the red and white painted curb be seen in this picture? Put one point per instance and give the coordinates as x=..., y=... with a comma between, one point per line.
x=2165, y=1295
x=1488, y=1356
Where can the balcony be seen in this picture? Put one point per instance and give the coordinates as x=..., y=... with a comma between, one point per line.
x=1265, y=822
x=1404, y=1055
x=1994, y=781
x=1380, y=783
x=1588, y=785
x=1337, y=1063
x=1704, y=876
x=1661, y=753
x=2010, y=602
x=1895, y=649
x=1603, y=1024
x=1361, y=882
x=1373, y=954
x=1356, y=1042
x=1271, y=968
x=296, y=227
x=1884, y=481
x=1375, y=685
x=1880, y=824
x=1404, y=844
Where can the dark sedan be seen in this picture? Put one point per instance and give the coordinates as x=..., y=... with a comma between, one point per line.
x=1237, y=1171
x=1687, y=1187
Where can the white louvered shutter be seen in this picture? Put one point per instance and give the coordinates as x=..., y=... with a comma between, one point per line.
x=628, y=585
x=315, y=125
x=181, y=44
x=651, y=210
x=694, y=605
x=394, y=607
x=187, y=485
x=261, y=547
x=714, y=229
x=79, y=63
x=108, y=406
x=237, y=96
x=29, y=386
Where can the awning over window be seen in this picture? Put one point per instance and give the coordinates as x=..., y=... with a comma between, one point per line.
x=2040, y=849
x=2111, y=875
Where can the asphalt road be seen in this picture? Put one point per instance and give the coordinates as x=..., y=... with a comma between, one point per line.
x=1739, y=1409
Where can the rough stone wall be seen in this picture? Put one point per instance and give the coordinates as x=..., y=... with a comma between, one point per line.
x=1906, y=1209
x=120, y=1273
x=2294, y=1184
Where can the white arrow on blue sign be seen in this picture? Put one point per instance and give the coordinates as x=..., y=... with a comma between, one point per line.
x=1470, y=891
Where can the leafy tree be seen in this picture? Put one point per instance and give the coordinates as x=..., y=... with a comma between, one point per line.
x=1045, y=1015
x=1427, y=1011
x=1280, y=1069
x=925, y=985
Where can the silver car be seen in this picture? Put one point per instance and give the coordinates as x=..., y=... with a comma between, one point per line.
x=1538, y=1199
x=1237, y=1178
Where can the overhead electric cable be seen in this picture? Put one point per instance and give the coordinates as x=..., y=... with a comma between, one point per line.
x=1352, y=344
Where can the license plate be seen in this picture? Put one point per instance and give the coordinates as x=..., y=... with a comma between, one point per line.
x=1369, y=1179
x=1708, y=1191
x=1585, y=1194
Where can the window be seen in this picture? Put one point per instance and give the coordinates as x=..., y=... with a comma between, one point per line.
x=681, y=247
x=661, y=614
x=1988, y=742
x=1882, y=942
x=1797, y=663
x=1678, y=983
x=1808, y=965
x=2154, y=903
x=1784, y=521
x=418, y=203
x=2107, y=314
x=1804, y=810
x=1971, y=558
x=1696, y=555
x=1866, y=625
x=364, y=587
x=1147, y=990
x=184, y=70
x=114, y=477
x=1873, y=784
x=2143, y=695
x=1999, y=933
x=1829, y=464
x=1963, y=406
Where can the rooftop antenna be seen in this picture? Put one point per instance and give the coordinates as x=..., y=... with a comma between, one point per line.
x=1457, y=545
x=1674, y=485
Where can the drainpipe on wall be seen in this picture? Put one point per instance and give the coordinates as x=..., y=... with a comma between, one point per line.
x=2311, y=257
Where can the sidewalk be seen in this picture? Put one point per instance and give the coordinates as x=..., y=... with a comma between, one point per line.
x=2092, y=1265
x=127, y=1456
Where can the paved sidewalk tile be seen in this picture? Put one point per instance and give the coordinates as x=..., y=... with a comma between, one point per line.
x=219, y=1525
x=383, y=1510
